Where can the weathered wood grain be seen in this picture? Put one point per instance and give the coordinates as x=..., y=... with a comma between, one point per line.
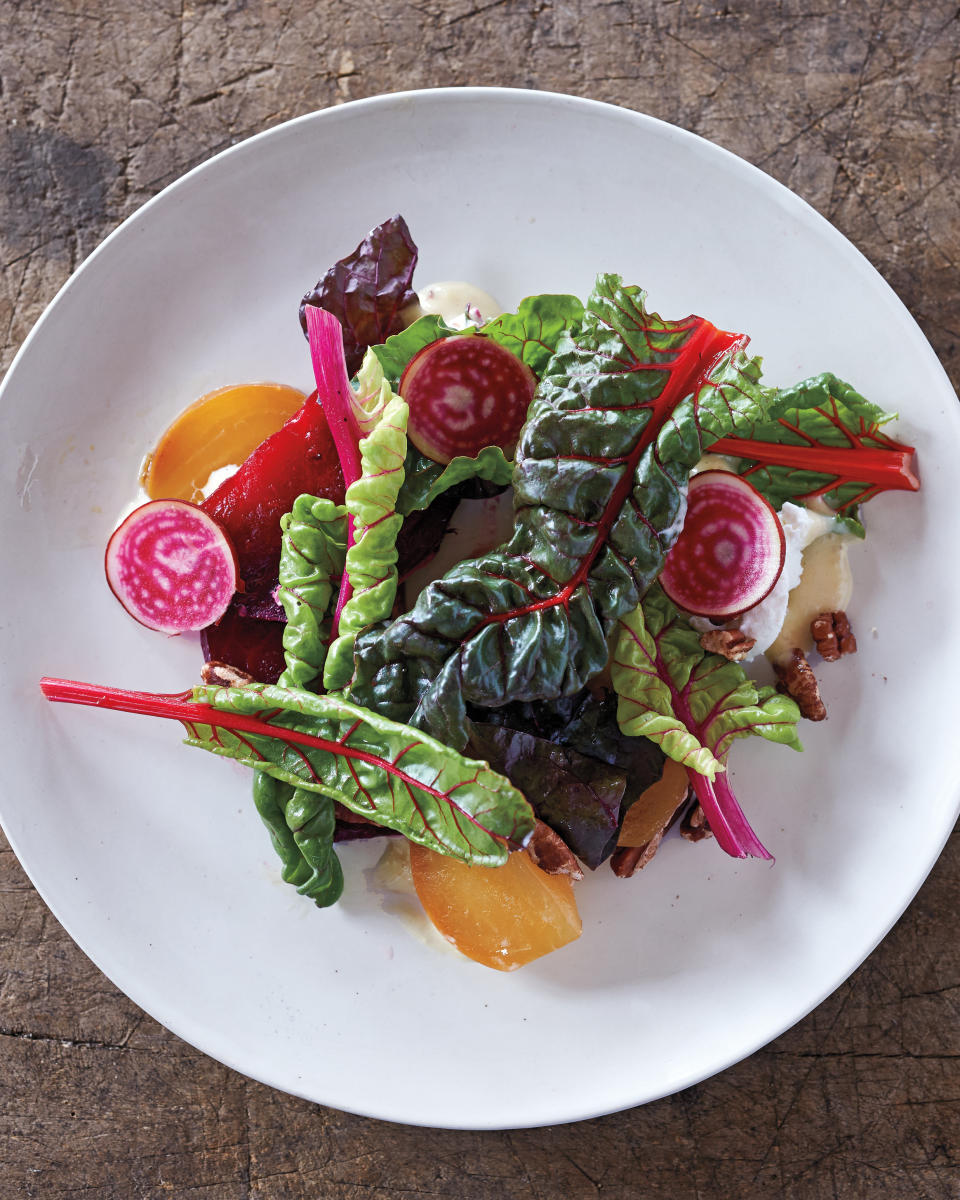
x=854, y=106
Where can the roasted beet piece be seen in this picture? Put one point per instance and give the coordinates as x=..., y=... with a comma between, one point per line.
x=300, y=457
x=246, y=643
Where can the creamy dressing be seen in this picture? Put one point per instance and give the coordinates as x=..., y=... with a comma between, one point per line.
x=825, y=586
x=714, y=462
x=801, y=528
x=460, y=304
x=392, y=878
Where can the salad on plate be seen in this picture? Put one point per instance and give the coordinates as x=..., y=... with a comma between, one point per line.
x=504, y=589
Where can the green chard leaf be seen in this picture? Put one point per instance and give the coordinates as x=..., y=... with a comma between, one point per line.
x=694, y=704
x=396, y=776
x=626, y=407
x=371, y=562
x=301, y=826
x=311, y=563
x=822, y=439
x=425, y=480
x=397, y=350
x=533, y=332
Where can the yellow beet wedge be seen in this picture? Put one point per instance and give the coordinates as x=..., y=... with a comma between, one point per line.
x=502, y=917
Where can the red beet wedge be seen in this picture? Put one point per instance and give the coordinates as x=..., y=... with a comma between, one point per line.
x=730, y=551
x=465, y=393
x=171, y=566
x=300, y=457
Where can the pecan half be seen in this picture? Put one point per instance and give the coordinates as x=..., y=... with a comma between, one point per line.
x=798, y=680
x=628, y=860
x=223, y=675
x=731, y=643
x=833, y=635
x=694, y=826
x=551, y=853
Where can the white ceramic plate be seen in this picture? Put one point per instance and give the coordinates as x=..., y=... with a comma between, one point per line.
x=152, y=855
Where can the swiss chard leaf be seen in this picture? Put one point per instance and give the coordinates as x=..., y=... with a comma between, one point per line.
x=398, y=350
x=425, y=480
x=578, y=796
x=533, y=332
x=371, y=561
x=586, y=723
x=821, y=438
x=311, y=563
x=368, y=290
x=625, y=409
x=301, y=829
x=395, y=776
x=694, y=704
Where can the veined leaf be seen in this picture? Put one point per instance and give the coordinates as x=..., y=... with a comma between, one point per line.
x=425, y=480
x=396, y=351
x=368, y=290
x=626, y=407
x=533, y=332
x=311, y=563
x=821, y=438
x=694, y=704
x=396, y=776
x=371, y=561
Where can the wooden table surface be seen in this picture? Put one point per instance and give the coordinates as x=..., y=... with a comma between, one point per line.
x=856, y=109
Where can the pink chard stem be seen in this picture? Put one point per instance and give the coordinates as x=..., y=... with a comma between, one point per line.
x=730, y=827
x=336, y=397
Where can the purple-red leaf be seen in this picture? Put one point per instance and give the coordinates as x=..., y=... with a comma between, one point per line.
x=368, y=290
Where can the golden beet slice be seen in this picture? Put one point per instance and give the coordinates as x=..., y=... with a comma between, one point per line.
x=502, y=917
x=653, y=809
x=220, y=429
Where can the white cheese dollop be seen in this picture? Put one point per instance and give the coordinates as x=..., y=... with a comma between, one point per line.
x=460, y=304
x=800, y=528
x=220, y=475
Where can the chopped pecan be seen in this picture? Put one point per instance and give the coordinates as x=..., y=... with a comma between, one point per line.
x=833, y=635
x=731, y=643
x=224, y=675
x=628, y=860
x=798, y=680
x=551, y=853
x=694, y=826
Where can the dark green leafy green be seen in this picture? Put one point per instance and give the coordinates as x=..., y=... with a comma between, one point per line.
x=578, y=796
x=301, y=826
x=311, y=563
x=822, y=439
x=586, y=723
x=426, y=480
x=625, y=409
x=533, y=332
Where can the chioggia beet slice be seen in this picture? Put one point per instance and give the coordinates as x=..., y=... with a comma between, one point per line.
x=730, y=551
x=465, y=393
x=171, y=566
